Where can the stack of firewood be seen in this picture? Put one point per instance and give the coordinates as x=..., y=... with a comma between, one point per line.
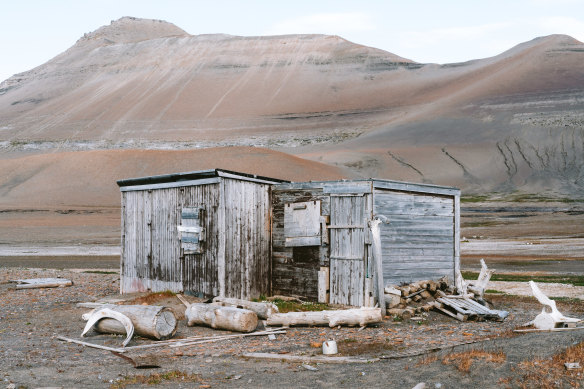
x=411, y=299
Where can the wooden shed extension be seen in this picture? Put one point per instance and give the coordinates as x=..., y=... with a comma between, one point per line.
x=326, y=226
x=207, y=232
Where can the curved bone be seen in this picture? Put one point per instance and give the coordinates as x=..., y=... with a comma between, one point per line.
x=543, y=319
x=108, y=313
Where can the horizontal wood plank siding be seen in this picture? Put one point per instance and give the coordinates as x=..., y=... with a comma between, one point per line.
x=418, y=243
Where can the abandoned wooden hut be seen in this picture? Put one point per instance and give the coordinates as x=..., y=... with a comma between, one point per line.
x=207, y=232
x=324, y=228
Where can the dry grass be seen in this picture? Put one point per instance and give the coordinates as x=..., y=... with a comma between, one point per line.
x=551, y=373
x=464, y=360
x=427, y=360
x=152, y=298
x=155, y=379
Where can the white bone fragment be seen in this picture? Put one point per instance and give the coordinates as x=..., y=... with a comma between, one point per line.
x=479, y=286
x=108, y=313
x=548, y=320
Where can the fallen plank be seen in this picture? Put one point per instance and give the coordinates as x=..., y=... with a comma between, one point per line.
x=224, y=337
x=90, y=305
x=313, y=359
x=200, y=339
x=113, y=349
x=33, y=283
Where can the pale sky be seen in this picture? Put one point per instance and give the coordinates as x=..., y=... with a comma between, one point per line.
x=438, y=31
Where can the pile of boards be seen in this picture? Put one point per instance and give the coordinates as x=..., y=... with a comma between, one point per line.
x=409, y=300
x=412, y=299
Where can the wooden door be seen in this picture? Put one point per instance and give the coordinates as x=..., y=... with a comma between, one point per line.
x=347, y=249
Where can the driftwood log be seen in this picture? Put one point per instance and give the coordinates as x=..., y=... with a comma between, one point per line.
x=263, y=310
x=150, y=321
x=33, y=283
x=225, y=318
x=349, y=317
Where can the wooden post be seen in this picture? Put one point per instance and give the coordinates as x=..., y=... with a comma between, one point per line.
x=378, y=263
x=323, y=284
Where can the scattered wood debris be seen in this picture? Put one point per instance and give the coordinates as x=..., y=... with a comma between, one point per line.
x=309, y=359
x=409, y=300
x=467, y=309
x=174, y=343
x=33, y=283
x=405, y=301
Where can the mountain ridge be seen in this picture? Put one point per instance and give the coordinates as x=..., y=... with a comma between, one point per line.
x=511, y=122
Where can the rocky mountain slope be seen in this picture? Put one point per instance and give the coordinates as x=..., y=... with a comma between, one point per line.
x=513, y=122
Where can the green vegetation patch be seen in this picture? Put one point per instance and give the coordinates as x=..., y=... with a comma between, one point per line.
x=296, y=306
x=576, y=280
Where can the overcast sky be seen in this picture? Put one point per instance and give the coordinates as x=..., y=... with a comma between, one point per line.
x=440, y=31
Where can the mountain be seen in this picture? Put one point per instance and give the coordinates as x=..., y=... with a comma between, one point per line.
x=513, y=122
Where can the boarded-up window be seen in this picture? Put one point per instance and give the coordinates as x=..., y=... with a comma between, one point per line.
x=302, y=224
x=190, y=231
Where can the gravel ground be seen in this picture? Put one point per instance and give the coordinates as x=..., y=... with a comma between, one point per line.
x=32, y=357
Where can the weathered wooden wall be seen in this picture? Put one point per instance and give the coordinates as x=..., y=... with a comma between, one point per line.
x=151, y=253
x=247, y=239
x=295, y=269
x=419, y=241
x=234, y=260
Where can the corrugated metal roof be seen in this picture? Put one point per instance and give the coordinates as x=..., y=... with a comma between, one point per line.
x=193, y=176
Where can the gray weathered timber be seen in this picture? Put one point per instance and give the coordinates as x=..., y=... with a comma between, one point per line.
x=295, y=269
x=209, y=236
x=420, y=241
x=347, y=249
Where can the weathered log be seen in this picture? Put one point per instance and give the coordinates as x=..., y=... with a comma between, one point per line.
x=392, y=300
x=350, y=317
x=263, y=310
x=33, y=283
x=225, y=318
x=150, y=321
